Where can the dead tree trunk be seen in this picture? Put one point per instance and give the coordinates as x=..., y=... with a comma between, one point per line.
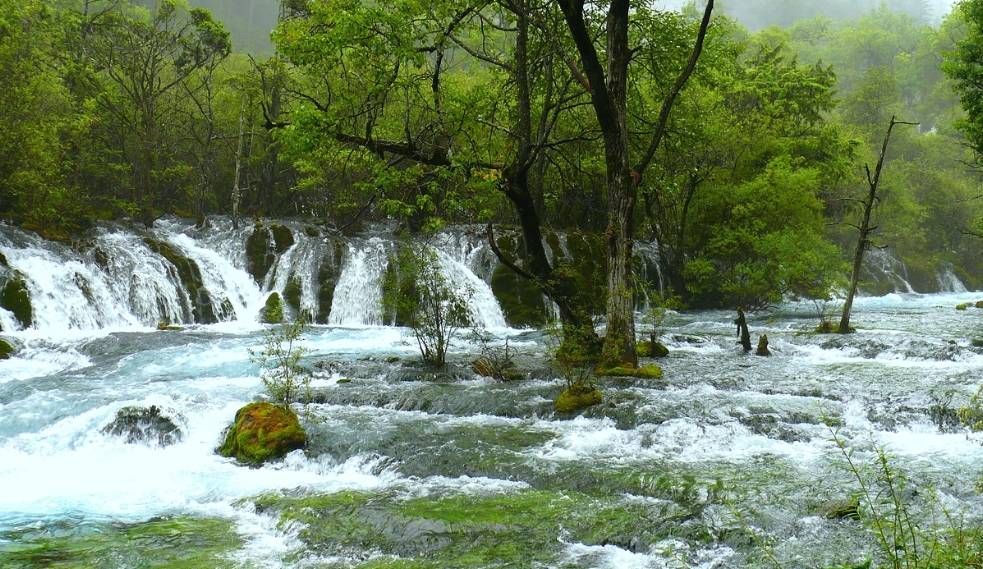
x=237, y=188
x=866, y=229
x=742, y=330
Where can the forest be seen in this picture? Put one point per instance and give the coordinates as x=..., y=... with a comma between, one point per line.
x=463, y=275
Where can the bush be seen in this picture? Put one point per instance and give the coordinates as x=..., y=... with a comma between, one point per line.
x=430, y=305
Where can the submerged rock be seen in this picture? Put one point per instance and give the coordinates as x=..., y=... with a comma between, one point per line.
x=6, y=350
x=263, y=432
x=272, y=312
x=16, y=298
x=848, y=508
x=485, y=367
x=144, y=425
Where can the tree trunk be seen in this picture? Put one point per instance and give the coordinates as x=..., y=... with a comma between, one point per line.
x=865, y=229
x=743, y=331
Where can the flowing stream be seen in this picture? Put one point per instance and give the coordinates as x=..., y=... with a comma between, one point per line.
x=725, y=461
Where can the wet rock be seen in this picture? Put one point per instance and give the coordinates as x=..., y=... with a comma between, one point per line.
x=144, y=425
x=272, y=312
x=763, y=347
x=283, y=238
x=311, y=232
x=644, y=372
x=16, y=298
x=259, y=252
x=521, y=301
x=262, y=432
x=485, y=367
x=165, y=326
x=574, y=399
x=327, y=280
x=649, y=349
x=963, y=306
x=292, y=293
x=202, y=305
x=3, y=262
x=6, y=349
x=847, y=508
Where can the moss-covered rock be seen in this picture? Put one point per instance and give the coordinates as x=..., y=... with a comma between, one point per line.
x=648, y=349
x=259, y=252
x=161, y=543
x=979, y=304
x=848, y=508
x=3, y=262
x=283, y=238
x=963, y=306
x=292, y=293
x=272, y=312
x=312, y=232
x=643, y=372
x=522, y=302
x=485, y=367
x=16, y=298
x=202, y=305
x=327, y=280
x=6, y=349
x=574, y=399
x=977, y=342
x=263, y=432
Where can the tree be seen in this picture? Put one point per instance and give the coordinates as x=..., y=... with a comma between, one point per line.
x=865, y=228
x=608, y=85
x=148, y=59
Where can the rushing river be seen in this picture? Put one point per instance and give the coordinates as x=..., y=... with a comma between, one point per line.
x=724, y=462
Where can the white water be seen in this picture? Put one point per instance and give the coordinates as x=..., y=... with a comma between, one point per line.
x=358, y=294
x=949, y=282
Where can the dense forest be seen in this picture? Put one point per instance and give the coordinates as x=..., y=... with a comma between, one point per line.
x=748, y=166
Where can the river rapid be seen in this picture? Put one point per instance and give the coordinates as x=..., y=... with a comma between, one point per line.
x=729, y=460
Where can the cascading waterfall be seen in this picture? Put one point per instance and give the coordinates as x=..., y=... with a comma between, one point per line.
x=483, y=306
x=358, y=295
x=949, y=282
x=882, y=264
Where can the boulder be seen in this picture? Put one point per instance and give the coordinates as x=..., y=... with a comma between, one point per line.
x=848, y=508
x=16, y=298
x=6, y=349
x=485, y=367
x=144, y=425
x=259, y=252
x=649, y=349
x=293, y=292
x=263, y=432
x=283, y=238
x=272, y=312
x=574, y=399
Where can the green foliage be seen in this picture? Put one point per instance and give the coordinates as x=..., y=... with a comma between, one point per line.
x=279, y=359
x=433, y=308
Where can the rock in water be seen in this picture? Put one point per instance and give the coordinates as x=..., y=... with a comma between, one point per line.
x=577, y=398
x=763, y=346
x=272, y=312
x=6, y=349
x=263, y=432
x=144, y=424
x=650, y=349
x=15, y=298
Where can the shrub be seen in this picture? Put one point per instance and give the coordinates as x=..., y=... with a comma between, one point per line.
x=432, y=307
x=279, y=359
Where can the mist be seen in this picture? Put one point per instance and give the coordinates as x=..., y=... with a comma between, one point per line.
x=757, y=14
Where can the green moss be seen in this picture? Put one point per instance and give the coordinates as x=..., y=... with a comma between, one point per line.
x=327, y=279
x=979, y=304
x=16, y=298
x=166, y=543
x=644, y=372
x=516, y=529
x=203, y=310
x=963, y=306
x=977, y=342
x=6, y=349
x=311, y=232
x=648, y=349
x=292, y=293
x=521, y=301
x=574, y=399
x=840, y=509
x=272, y=312
x=262, y=432
x=283, y=238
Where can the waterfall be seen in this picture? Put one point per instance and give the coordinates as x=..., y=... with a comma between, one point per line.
x=948, y=281
x=358, y=295
x=468, y=263
x=67, y=291
x=885, y=266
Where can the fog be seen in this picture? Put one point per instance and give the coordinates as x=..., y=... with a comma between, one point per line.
x=757, y=14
